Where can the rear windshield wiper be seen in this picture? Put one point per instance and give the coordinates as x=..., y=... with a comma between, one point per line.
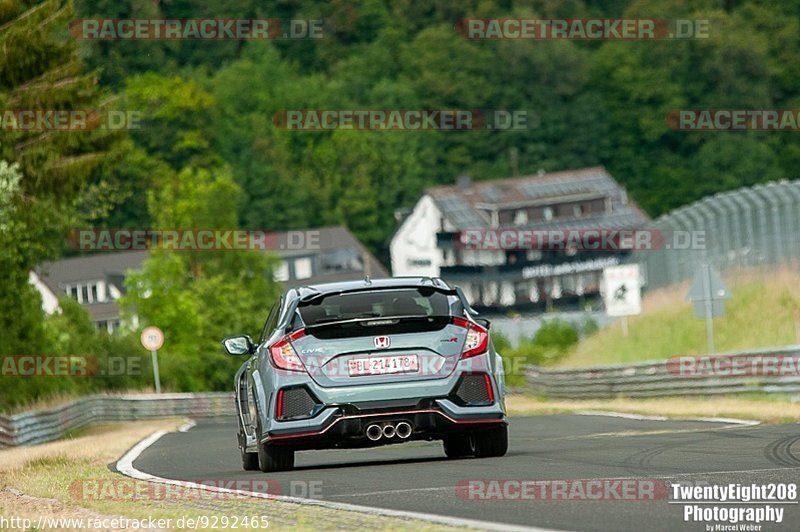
x=354, y=317
x=377, y=319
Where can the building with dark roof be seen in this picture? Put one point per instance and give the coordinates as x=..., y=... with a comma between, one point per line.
x=94, y=281
x=310, y=256
x=324, y=255
x=434, y=238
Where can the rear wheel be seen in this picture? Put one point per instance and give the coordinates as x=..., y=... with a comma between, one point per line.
x=273, y=457
x=459, y=446
x=492, y=442
x=249, y=460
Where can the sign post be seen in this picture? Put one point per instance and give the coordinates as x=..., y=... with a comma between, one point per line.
x=708, y=293
x=623, y=292
x=152, y=339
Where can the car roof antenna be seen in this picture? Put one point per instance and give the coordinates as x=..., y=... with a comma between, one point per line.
x=367, y=280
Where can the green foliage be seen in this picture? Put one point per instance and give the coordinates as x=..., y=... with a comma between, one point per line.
x=199, y=297
x=552, y=341
x=558, y=335
x=100, y=362
x=588, y=327
x=43, y=174
x=589, y=102
x=209, y=154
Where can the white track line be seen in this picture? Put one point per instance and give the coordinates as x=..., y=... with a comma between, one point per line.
x=727, y=420
x=186, y=427
x=126, y=467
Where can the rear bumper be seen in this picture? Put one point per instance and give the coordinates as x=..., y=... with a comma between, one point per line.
x=345, y=425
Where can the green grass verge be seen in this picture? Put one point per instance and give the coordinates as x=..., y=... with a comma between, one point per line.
x=763, y=312
x=53, y=480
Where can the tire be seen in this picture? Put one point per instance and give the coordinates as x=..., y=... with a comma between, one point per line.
x=492, y=442
x=249, y=460
x=460, y=446
x=273, y=457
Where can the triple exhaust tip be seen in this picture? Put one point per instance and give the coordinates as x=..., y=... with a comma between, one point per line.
x=374, y=432
x=402, y=430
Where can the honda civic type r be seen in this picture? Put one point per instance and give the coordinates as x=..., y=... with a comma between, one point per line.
x=368, y=363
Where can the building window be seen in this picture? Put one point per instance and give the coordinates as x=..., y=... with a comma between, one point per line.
x=302, y=268
x=547, y=213
x=521, y=217
x=341, y=260
x=281, y=273
x=73, y=292
x=108, y=326
x=84, y=293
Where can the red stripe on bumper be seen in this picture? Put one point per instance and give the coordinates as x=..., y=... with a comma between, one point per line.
x=382, y=414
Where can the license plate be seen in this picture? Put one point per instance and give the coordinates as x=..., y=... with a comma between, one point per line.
x=383, y=365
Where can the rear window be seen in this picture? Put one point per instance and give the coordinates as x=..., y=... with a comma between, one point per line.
x=420, y=302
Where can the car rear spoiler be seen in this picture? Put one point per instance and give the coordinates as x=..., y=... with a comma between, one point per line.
x=314, y=296
x=456, y=291
x=377, y=320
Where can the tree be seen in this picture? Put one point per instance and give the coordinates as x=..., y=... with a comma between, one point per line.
x=199, y=297
x=46, y=172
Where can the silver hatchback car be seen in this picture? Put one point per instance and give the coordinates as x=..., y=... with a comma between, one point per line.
x=368, y=363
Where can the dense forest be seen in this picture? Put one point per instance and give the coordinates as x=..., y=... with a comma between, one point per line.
x=591, y=102
x=208, y=153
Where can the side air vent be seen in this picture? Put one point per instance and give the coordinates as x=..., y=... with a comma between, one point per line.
x=295, y=403
x=475, y=389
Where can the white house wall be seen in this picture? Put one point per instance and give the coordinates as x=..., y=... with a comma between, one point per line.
x=413, y=248
x=49, y=300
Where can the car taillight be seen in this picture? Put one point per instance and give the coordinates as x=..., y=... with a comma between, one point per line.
x=283, y=354
x=477, y=341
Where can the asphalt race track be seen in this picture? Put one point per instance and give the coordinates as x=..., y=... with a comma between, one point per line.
x=417, y=477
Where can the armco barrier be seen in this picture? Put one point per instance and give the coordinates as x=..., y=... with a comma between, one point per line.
x=732, y=373
x=41, y=426
x=645, y=379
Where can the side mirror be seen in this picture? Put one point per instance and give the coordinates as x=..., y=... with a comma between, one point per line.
x=239, y=345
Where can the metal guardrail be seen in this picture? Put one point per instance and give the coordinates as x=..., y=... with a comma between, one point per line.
x=730, y=373
x=646, y=379
x=29, y=428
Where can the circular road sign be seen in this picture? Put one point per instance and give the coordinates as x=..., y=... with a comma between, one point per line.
x=152, y=338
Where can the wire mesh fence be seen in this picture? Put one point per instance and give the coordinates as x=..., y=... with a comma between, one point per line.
x=756, y=226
